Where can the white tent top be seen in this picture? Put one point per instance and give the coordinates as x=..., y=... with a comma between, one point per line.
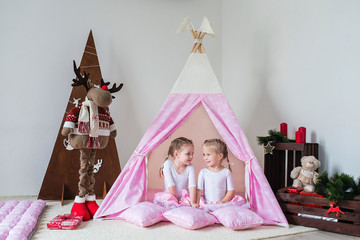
x=197, y=76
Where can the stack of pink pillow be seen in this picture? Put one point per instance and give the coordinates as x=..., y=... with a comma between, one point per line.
x=19, y=219
x=234, y=217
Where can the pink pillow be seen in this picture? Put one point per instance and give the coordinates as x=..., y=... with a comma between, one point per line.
x=189, y=217
x=164, y=199
x=237, y=217
x=169, y=201
x=143, y=214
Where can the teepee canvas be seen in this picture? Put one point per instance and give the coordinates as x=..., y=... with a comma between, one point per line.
x=197, y=109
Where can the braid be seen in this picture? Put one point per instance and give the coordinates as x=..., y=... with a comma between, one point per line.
x=175, y=145
x=161, y=172
x=220, y=148
x=227, y=159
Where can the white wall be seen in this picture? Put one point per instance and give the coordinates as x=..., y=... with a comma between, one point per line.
x=296, y=62
x=292, y=61
x=136, y=45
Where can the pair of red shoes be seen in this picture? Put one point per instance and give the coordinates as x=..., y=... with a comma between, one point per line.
x=85, y=207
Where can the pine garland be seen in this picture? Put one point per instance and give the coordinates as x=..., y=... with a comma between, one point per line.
x=274, y=136
x=339, y=187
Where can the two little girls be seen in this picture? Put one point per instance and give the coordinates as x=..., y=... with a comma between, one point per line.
x=215, y=182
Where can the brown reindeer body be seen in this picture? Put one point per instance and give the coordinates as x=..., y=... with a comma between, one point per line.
x=78, y=140
x=88, y=128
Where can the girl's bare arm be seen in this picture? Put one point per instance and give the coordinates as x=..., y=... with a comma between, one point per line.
x=229, y=195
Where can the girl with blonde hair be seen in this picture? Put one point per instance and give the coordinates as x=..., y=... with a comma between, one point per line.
x=215, y=182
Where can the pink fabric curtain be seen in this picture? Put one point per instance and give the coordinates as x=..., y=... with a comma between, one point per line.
x=130, y=186
x=258, y=191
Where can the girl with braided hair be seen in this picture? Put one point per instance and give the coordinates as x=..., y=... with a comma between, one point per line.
x=177, y=170
x=215, y=182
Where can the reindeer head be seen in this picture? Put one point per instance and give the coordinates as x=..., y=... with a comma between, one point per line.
x=100, y=95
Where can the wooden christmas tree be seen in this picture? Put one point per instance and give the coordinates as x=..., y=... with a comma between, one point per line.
x=62, y=175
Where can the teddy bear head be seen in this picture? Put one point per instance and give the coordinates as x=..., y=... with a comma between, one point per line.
x=310, y=163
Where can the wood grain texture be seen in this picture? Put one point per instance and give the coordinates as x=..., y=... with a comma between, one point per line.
x=292, y=204
x=62, y=175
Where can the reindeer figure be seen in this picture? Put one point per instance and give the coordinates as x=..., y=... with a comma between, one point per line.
x=88, y=126
x=333, y=209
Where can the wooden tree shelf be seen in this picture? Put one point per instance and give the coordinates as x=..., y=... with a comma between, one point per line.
x=62, y=175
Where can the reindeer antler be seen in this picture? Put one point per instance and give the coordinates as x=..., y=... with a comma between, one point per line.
x=83, y=81
x=114, y=89
x=104, y=83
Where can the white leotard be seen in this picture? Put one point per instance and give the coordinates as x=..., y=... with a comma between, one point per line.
x=215, y=184
x=185, y=180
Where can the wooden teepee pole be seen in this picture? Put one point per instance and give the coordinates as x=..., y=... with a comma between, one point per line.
x=197, y=45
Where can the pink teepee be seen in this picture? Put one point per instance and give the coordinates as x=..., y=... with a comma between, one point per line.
x=196, y=86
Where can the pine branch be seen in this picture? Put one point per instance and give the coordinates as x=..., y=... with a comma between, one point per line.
x=339, y=187
x=274, y=136
x=357, y=187
x=263, y=140
x=321, y=183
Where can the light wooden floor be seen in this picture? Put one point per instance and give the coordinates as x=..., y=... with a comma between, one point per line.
x=318, y=235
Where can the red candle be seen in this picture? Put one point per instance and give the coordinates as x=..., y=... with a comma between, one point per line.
x=283, y=128
x=303, y=129
x=299, y=137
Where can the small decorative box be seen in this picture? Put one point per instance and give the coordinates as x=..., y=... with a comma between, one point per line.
x=66, y=221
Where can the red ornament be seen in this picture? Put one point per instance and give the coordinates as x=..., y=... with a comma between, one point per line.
x=104, y=88
x=333, y=209
x=292, y=190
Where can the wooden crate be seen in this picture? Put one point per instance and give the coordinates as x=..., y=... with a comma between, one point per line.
x=285, y=157
x=348, y=223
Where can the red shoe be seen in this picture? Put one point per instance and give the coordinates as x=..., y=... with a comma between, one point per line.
x=91, y=205
x=79, y=208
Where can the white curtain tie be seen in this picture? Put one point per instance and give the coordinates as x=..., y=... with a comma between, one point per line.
x=140, y=154
x=147, y=173
x=248, y=161
x=133, y=162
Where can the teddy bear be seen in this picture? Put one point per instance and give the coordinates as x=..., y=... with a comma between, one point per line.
x=305, y=176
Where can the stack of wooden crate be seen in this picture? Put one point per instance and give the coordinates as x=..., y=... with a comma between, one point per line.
x=310, y=211
x=284, y=158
